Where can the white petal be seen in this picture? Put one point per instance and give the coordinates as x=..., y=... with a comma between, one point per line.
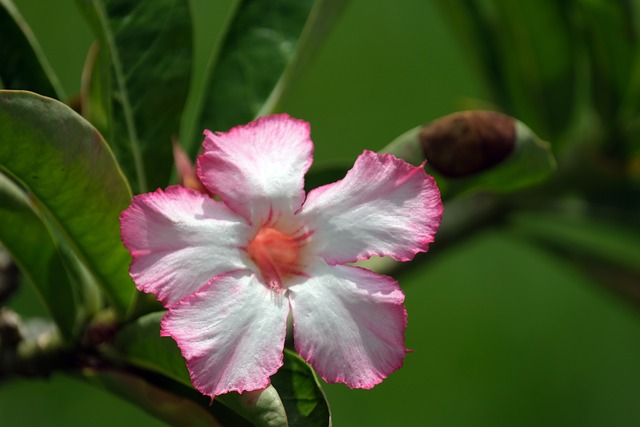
x=179, y=239
x=258, y=168
x=349, y=324
x=231, y=333
x=383, y=206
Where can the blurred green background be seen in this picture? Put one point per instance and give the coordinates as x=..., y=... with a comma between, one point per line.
x=504, y=334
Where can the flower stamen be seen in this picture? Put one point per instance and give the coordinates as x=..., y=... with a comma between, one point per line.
x=277, y=256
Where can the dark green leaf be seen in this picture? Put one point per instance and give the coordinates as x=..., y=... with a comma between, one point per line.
x=149, y=47
x=259, y=44
x=605, y=252
x=539, y=62
x=27, y=239
x=592, y=239
x=23, y=66
x=301, y=393
x=74, y=180
x=268, y=45
x=609, y=36
x=527, y=53
x=140, y=344
x=173, y=409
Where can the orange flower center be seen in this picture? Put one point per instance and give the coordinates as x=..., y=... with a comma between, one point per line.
x=276, y=254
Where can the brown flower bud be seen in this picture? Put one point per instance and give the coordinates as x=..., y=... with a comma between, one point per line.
x=468, y=142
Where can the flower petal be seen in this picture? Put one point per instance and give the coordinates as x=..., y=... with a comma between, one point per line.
x=258, y=169
x=383, y=206
x=179, y=239
x=349, y=324
x=231, y=333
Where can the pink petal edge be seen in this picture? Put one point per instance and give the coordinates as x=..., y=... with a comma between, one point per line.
x=179, y=239
x=231, y=333
x=258, y=169
x=349, y=324
x=384, y=206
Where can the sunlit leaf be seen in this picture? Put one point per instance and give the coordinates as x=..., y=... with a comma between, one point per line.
x=266, y=48
x=32, y=248
x=74, y=180
x=149, y=46
x=23, y=66
x=140, y=344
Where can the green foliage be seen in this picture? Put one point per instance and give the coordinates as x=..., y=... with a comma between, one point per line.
x=301, y=394
x=73, y=180
x=527, y=54
x=34, y=250
x=23, y=65
x=568, y=69
x=259, y=43
x=297, y=396
x=148, y=45
x=174, y=409
x=267, y=47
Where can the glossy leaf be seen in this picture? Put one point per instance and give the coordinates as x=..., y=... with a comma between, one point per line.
x=140, y=344
x=26, y=237
x=74, y=180
x=267, y=46
x=301, y=393
x=149, y=47
x=23, y=66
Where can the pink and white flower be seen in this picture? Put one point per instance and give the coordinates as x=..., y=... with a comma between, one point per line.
x=230, y=272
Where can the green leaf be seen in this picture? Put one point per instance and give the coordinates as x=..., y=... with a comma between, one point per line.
x=539, y=61
x=74, y=180
x=320, y=22
x=605, y=252
x=301, y=393
x=140, y=344
x=528, y=55
x=95, y=91
x=591, y=238
x=26, y=237
x=149, y=47
x=23, y=66
x=172, y=408
x=266, y=48
x=609, y=36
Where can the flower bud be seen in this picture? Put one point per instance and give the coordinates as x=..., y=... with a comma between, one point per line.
x=468, y=142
